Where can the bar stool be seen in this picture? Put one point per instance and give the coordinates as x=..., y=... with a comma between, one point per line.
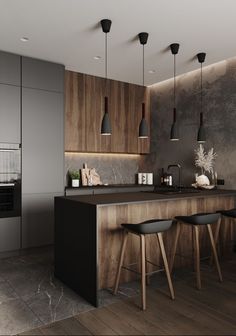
x=230, y=214
x=154, y=226
x=197, y=220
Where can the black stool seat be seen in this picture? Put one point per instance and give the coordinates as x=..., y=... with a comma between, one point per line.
x=199, y=218
x=228, y=213
x=149, y=226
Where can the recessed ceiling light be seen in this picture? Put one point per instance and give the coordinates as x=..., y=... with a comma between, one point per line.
x=152, y=71
x=97, y=57
x=24, y=39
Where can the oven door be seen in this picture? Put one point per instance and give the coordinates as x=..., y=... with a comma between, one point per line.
x=10, y=200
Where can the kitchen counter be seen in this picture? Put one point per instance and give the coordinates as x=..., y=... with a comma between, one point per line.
x=107, y=189
x=141, y=197
x=88, y=233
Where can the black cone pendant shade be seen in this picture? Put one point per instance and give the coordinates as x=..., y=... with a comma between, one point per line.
x=143, y=126
x=174, y=132
x=106, y=126
x=201, y=136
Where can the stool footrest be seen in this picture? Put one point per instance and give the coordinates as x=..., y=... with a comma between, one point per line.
x=127, y=268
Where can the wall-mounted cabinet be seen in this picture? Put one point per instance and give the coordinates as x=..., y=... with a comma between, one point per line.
x=42, y=75
x=84, y=109
x=10, y=68
x=10, y=113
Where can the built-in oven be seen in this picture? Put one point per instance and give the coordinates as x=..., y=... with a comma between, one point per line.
x=10, y=180
x=10, y=199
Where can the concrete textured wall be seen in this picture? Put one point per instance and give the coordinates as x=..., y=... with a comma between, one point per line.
x=219, y=106
x=112, y=168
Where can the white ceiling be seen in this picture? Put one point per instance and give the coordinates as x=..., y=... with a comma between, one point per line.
x=67, y=32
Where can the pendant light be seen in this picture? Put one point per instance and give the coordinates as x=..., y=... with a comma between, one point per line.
x=174, y=133
x=201, y=137
x=143, y=126
x=106, y=126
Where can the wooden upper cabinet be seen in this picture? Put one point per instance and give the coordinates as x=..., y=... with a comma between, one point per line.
x=84, y=108
x=75, y=126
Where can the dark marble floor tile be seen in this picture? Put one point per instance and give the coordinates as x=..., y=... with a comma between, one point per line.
x=27, y=279
x=16, y=317
x=54, y=304
x=6, y=292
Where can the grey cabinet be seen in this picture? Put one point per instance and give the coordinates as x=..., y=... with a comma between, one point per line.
x=38, y=219
x=10, y=114
x=9, y=234
x=42, y=150
x=42, y=141
x=10, y=68
x=43, y=75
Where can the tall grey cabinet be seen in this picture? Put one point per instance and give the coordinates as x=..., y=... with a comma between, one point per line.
x=10, y=82
x=10, y=132
x=42, y=148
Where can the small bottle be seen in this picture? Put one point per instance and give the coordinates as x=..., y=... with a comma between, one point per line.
x=162, y=176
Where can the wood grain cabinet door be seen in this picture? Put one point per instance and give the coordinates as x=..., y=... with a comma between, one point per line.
x=75, y=117
x=84, y=108
x=96, y=89
x=119, y=97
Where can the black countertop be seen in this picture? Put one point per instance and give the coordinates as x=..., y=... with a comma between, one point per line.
x=140, y=197
x=111, y=186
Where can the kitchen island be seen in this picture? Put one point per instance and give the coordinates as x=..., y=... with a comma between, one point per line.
x=88, y=233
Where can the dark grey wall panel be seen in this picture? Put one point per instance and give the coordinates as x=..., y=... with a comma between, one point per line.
x=219, y=106
x=42, y=141
x=38, y=219
x=42, y=75
x=9, y=234
x=10, y=71
x=10, y=113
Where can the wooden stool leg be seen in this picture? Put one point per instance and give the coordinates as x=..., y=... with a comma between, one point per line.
x=122, y=252
x=172, y=258
x=147, y=276
x=214, y=251
x=143, y=271
x=216, y=236
x=163, y=253
x=197, y=256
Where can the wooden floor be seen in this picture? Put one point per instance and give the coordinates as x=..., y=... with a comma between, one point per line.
x=211, y=311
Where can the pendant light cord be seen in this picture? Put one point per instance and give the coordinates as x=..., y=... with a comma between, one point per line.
x=143, y=64
x=201, y=93
x=174, y=80
x=106, y=56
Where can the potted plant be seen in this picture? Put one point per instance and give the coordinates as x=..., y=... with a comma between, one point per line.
x=205, y=161
x=75, y=177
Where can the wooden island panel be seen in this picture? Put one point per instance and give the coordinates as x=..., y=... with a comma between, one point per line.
x=109, y=219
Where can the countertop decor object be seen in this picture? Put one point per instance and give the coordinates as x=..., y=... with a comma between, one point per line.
x=89, y=176
x=143, y=126
x=75, y=177
x=205, y=161
x=174, y=133
x=106, y=126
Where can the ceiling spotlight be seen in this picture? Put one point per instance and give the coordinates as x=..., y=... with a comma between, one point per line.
x=97, y=57
x=24, y=39
x=152, y=71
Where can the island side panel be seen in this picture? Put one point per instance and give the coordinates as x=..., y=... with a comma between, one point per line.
x=76, y=247
x=111, y=217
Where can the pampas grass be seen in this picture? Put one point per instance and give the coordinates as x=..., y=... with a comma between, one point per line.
x=204, y=160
